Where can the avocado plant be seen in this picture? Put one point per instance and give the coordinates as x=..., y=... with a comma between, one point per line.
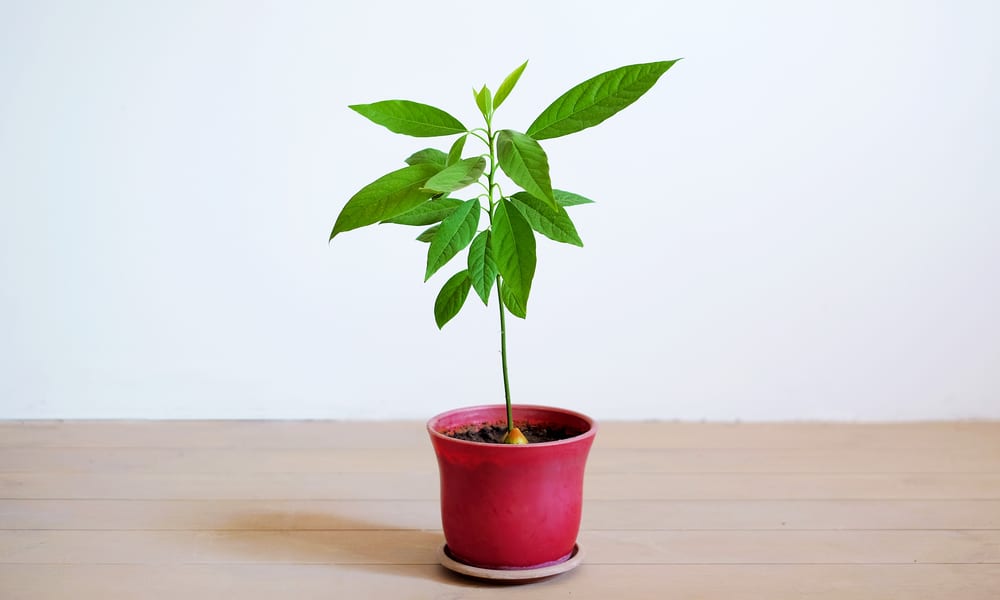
x=431, y=191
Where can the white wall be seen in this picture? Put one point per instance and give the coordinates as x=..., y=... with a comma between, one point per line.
x=801, y=221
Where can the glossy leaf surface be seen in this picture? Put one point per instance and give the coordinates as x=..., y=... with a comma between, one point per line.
x=482, y=267
x=514, y=250
x=459, y=175
x=484, y=101
x=455, y=153
x=386, y=197
x=451, y=298
x=551, y=221
x=410, y=118
x=525, y=162
x=454, y=234
x=427, y=235
x=596, y=99
x=564, y=198
x=429, y=156
x=508, y=84
x=427, y=213
x=512, y=302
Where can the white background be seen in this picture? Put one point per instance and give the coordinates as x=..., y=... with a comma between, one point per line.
x=801, y=221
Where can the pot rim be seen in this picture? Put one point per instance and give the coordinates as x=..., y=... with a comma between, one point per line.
x=590, y=433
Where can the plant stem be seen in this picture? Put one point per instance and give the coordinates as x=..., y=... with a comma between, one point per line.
x=503, y=322
x=503, y=359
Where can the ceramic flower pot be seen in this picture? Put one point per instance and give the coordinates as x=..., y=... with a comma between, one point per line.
x=506, y=506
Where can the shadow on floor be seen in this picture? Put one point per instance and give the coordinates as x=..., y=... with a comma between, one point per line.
x=312, y=538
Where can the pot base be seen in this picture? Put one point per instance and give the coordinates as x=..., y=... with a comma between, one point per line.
x=451, y=563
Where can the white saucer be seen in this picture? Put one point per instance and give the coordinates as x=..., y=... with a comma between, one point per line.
x=450, y=562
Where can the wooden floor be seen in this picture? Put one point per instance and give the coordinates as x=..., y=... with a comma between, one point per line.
x=298, y=510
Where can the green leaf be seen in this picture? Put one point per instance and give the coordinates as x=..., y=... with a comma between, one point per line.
x=385, y=198
x=508, y=84
x=428, y=213
x=428, y=156
x=410, y=118
x=484, y=100
x=512, y=302
x=564, y=198
x=552, y=222
x=514, y=250
x=455, y=233
x=524, y=161
x=459, y=175
x=451, y=298
x=455, y=154
x=482, y=267
x=596, y=99
x=428, y=234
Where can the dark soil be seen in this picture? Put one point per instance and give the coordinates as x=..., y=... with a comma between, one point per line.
x=493, y=434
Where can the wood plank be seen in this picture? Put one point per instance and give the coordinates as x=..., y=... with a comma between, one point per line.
x=399, y=460
x=791, y=514
x=424, y=486
x=424, y=514
x=589, y=582
x=973, y=435
x=793, y=486
x=420, y=547
x=213, y=434
x=217, y=460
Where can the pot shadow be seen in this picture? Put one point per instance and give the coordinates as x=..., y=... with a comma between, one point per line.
x=342, y=542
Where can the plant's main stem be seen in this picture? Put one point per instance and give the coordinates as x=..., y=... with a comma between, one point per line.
x=503, y=322
x=503, y=359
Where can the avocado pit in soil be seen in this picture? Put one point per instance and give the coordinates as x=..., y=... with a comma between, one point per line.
x=494, y=434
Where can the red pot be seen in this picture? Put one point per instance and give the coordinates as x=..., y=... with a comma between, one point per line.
x=506, y=506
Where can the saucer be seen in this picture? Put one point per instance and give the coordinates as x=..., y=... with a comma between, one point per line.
x=451, y=563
